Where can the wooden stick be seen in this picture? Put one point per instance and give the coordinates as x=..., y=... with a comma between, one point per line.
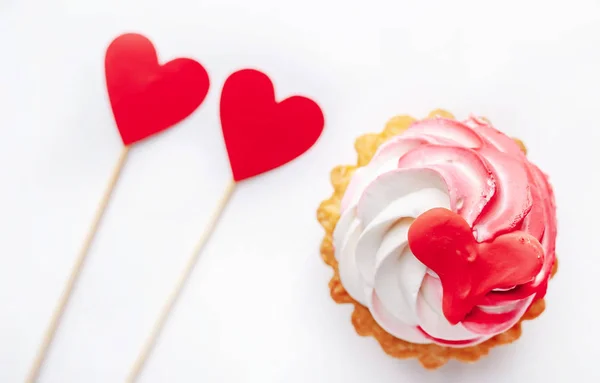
x=172, y=300
x=59, y=310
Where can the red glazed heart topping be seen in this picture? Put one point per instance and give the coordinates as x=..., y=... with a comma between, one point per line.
x=443, y=241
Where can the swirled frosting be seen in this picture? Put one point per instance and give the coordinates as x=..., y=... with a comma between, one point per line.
x=474, y=171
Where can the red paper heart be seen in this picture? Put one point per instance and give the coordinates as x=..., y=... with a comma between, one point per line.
x=443, y=241
x=261, y=134
x=147, y=97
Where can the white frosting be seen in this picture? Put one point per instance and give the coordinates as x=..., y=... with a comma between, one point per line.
x=376, y=265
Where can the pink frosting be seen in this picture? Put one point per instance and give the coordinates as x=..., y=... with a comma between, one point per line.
x=489, y=182
x=508, y=193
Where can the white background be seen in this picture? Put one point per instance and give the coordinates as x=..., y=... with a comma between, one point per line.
x=257, y=308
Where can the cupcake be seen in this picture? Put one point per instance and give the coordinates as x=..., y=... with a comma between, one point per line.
x=442, y=236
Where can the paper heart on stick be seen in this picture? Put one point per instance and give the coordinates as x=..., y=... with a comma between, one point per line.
x=146, y=97
x=260, y=133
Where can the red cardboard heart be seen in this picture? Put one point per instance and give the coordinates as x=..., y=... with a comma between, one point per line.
x=261, y=134
x=147, y=97
x=443, y=241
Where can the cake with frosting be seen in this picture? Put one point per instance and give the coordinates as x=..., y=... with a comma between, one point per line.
x=442, y=236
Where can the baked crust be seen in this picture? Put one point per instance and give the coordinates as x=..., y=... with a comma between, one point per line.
x=431, y=356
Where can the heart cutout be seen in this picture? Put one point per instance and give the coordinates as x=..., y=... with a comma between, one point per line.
x=262, y=134
x=443, y=241
x=146, y=97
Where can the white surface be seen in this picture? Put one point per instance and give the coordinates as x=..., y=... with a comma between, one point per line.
x=257, y=308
